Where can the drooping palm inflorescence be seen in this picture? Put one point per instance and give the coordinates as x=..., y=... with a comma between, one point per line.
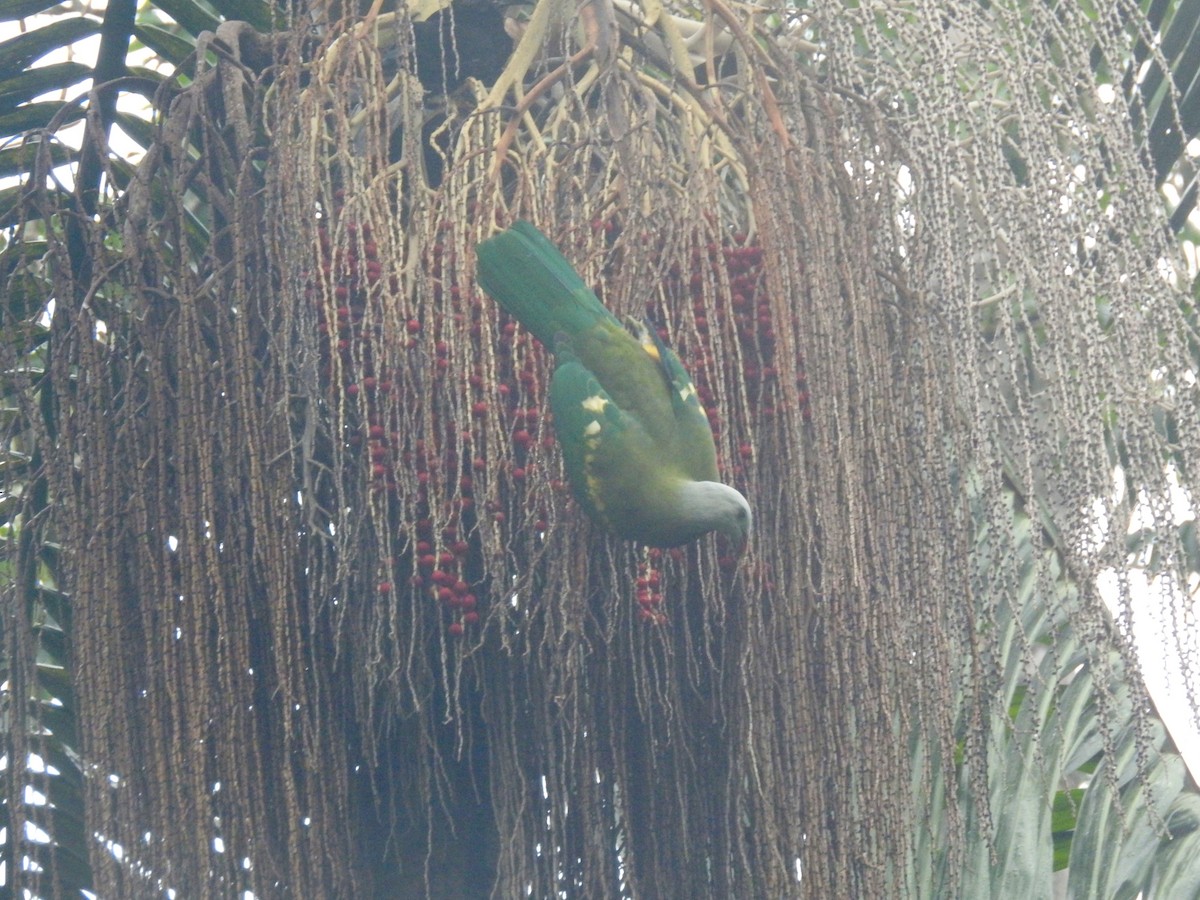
x=338, y=629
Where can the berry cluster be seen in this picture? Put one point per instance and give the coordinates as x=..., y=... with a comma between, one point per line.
x=441, y=571
x=649, y=597
x=747, y=315
x=431, y=473
x=351, y=273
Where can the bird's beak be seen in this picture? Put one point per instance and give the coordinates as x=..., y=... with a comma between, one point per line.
x=736, y=542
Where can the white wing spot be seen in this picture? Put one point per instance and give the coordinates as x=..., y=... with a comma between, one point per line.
x=595, y=403
x=593, y=428
x=687, y=392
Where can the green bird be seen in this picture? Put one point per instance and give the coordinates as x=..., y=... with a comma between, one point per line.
x=638, y=447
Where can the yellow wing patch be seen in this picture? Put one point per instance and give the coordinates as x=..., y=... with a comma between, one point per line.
x=593, y=485
x=643, y=336
x=591, y=437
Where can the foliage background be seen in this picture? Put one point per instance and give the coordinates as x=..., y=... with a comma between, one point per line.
x=260, y=419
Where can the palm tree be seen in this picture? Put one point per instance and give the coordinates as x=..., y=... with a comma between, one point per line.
x=296, y=601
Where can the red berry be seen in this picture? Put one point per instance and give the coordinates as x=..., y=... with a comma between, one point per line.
x=414, y=326
x=456, y=629
x=385, y=587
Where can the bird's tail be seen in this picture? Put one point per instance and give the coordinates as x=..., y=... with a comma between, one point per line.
x=527, y=275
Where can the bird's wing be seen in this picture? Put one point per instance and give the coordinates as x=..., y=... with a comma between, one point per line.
x=694, y=439
x=595, y=435
x=649, y=383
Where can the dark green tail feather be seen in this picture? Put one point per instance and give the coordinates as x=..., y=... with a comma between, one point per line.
x=527, y=275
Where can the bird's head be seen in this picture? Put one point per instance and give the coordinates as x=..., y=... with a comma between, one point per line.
x=713, y=506
x=736, y=519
